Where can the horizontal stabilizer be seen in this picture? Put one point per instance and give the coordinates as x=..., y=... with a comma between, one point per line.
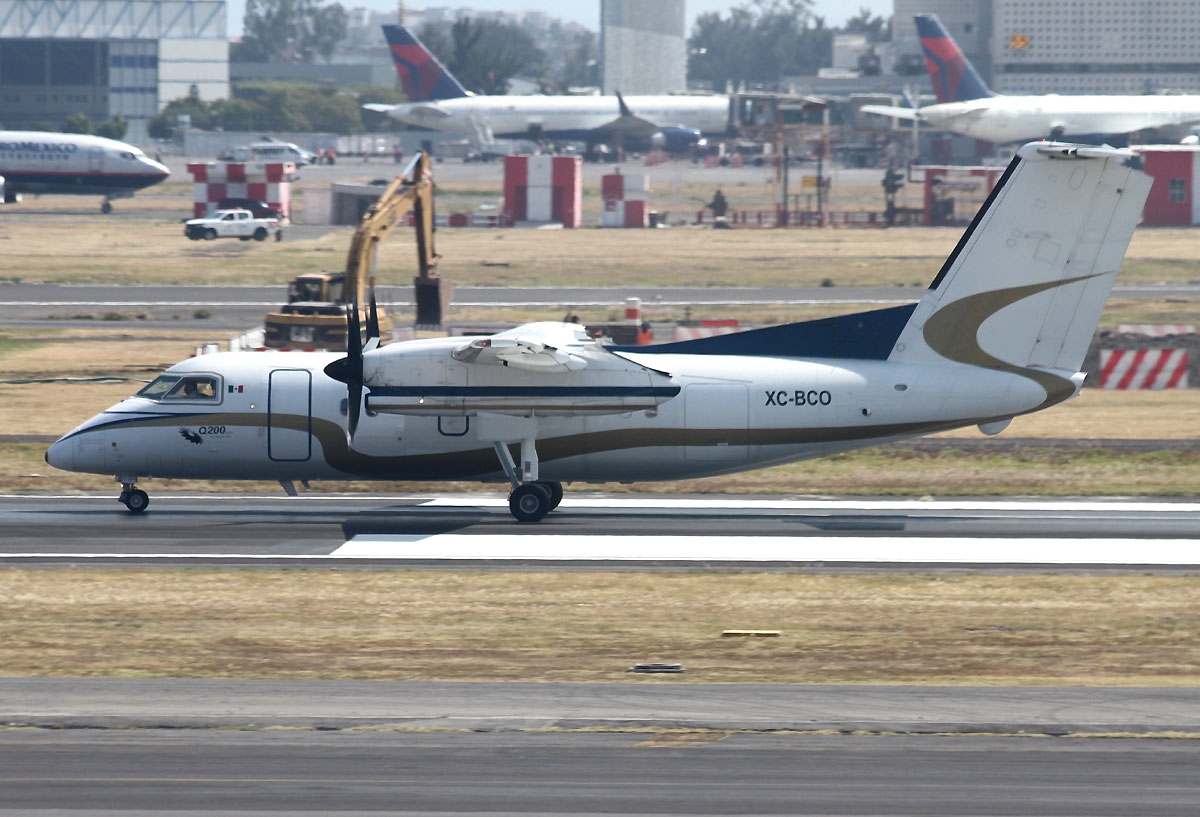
x=894, y=111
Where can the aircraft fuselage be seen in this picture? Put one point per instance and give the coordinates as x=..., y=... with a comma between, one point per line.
x=275, y=416
x=1022, y=118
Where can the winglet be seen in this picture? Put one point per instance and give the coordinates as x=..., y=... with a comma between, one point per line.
x=624, y=108
x=423, y=77
x=954, y=78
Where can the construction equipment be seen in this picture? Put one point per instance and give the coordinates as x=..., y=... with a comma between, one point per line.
x=315, y=315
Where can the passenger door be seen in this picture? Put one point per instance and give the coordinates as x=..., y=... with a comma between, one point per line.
x=289, y=415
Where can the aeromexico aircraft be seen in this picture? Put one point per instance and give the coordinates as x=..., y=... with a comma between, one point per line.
x=966, y=106
x=43, y=162
x=438, y=101
x=1001, y=331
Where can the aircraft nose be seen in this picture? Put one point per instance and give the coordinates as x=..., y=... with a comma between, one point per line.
x=157, y=169
x=61, y=455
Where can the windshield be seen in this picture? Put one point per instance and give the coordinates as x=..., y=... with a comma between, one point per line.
x=155, y=389
x=182, y=387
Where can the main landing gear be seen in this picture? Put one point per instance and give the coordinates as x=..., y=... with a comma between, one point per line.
x=135, y=499
x=529, y=501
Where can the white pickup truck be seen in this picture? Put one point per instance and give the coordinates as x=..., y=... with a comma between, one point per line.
x=232, y=224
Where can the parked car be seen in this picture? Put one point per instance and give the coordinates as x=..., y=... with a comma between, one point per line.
x=260, y=209
x=232, y=224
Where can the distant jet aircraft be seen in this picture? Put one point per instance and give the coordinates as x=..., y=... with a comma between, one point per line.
x=966, y=106
x=43, y=162
x=1002, y=331
x=439, y=102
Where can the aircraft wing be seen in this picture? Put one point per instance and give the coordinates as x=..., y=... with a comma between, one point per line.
x=380, y=107
x=525, y=354
x=546, y=367
x=627, y=124
x=894, y=111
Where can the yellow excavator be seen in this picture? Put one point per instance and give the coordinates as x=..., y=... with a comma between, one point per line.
x=315, y=315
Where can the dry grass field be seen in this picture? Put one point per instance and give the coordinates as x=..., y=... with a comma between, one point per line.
x=424, y=625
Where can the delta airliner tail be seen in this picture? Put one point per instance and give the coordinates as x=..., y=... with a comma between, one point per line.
x=954, y=78
x=424, y=78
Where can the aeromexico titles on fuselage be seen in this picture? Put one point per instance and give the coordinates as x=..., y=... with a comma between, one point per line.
x=68, y=163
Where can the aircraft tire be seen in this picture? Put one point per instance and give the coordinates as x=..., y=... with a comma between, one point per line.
x=555, y=489
x=136, y=500
x=106, y=207
x=260, y=234
x=529, y=502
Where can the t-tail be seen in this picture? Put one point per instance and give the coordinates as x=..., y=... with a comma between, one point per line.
x=423, y=77
x=1023, y=290
x=954, y=78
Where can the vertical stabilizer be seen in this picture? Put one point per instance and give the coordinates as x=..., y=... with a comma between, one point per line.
x=954, y=78
x=423, y=77
x=1024, y=288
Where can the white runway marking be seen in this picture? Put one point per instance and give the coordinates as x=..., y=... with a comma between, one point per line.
x=865, y=505
x=801, y=549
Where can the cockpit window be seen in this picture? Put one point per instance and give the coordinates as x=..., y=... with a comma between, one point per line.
x=155, y=389
x=188, y=387
x=127, y=155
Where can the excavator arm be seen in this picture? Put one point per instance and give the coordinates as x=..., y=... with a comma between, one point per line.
x=411, y=191
x=321, y=321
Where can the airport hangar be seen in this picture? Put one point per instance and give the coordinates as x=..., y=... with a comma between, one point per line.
x=108, y=58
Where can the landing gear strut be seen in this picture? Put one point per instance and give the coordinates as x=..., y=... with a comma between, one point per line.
x=135, y=499
x=529, y=501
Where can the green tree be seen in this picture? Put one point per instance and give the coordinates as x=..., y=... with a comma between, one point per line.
x=198, y=112
x=484, y=54
x=78, y=123
x=115, y=127
x=877, y=29
x=374, y=121
x=290, y=31
x=759, y=42
x=581, y=62
x=238, y=114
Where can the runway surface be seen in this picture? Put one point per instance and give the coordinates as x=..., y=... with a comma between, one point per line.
x=257, y=747
x=654, y=745
x=243, y=306
x=600, y=530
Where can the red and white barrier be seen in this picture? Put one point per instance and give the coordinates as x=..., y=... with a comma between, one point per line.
x=264, y=181
x=544, y=188
x=1156, y=330
x=625, y=200
x=1143, y=369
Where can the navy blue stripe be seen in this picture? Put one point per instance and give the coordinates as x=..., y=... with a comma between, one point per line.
x=524, y=391
x=861, y=336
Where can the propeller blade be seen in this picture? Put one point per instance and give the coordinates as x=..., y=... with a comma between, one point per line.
x=372, y=317
x=354, y=368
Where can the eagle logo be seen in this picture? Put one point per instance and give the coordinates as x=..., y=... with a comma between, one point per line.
x=194, y=439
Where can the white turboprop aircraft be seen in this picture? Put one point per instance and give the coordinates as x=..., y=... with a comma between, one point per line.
x=966, y=106
x=42, y=162
x=1001, y=331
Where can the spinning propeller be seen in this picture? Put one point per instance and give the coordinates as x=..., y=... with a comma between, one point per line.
x=349, y=370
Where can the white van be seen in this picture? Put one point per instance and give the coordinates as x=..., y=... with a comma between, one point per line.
x=272, y=152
